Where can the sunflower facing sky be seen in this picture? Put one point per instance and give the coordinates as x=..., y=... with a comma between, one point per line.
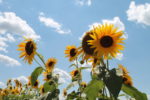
x=106, y=40
x=28, y=50
x=71, y=52
x=50, y=64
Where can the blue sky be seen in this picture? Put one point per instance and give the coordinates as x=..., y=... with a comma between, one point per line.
x=54, y=24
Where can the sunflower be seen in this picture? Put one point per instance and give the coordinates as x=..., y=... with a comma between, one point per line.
x=95, y=61
x=28, y=50
x=126, y=78
x=35, y=85
x=83, y=84
x=106, y=40
x=64, y=92
x=71, y=52
x=86, y=49
x=29, y=81
x=50, y=64
x=74, y=73
x=47, y=76
x=42, y=89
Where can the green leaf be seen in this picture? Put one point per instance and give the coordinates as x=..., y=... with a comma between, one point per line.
x=35, y=74
x=113, y=83
x=133, y=92
x=93, y=89
x=73, y=65
x=49, y=86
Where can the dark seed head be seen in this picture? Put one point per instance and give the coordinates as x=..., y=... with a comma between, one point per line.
x=86, y=47
x=76, y=72
x=106, y=41
x=50, y=63
x=72, y=52
x=29, y=47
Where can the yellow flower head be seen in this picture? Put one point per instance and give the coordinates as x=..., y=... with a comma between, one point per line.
x=74, y=73
x=50, y=64
x=87, y=49
x=71, y=52
x=36, y=84
x=28, y=50
x=42, y=89
x=64, y=92
x=47, y=76
x=83, y=84
x=106, y=40
x=126, y=78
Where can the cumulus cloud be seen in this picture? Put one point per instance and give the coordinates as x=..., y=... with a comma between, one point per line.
x=50, y=22
x=22, y=79
x=10, y=22
x=84, y=2
x=139, y=13
x=2, y=85
x=8, y=61
x=116, y=21
x=64, y=77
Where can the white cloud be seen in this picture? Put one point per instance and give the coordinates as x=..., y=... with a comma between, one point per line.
x=11, y=23
x=1, y=1
x=2, y=85
x=49, y=22
x=84, y=2
x=64, y=77
x=22, y=79
x=148, y=96
x=139, y=13
x=116, y=21
x=8, y=61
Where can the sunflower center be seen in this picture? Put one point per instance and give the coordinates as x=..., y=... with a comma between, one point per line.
x=29, y=47
x=86, y=47
x=36, y=83
x=50, y=63
x=72, y=52
x=48, y=77
x=106, y=41
x=95, y=60
x=76, y=72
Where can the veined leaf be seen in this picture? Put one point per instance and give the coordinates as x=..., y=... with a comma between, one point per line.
x=113, y=83
x=133, y=92
x=93, y=88
x=35, y=74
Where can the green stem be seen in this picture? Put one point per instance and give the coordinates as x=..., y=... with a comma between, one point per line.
x=37, y=62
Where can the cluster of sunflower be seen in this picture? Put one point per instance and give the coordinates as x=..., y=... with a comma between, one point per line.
x=49, y=89
x=99, y=45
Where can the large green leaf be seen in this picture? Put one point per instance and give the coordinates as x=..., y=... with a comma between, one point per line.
x=35, y=74
x=133, y=92
x=113, y=83
x=93, y=88
x=49, y=86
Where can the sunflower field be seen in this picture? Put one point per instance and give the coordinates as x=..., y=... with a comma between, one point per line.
x=99, y=46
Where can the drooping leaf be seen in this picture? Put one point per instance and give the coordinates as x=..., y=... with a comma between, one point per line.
x=35, y=74
x=82, y=68
x=113, y=83
x=133, y=92
x=93, y=89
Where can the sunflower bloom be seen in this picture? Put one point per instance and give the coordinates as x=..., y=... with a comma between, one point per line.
x=47, y=76
x=42, y=89
x=126, y=78
x=35, y=85
x=64, y=92
x=86, y=48
x=74, y=73
x=28, y=50
x=83, y=84
x=50, y=64
x=106, y=40
x=71, y=52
